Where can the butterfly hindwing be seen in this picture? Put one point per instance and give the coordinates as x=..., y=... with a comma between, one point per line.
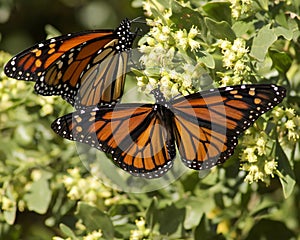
x=86, y=80
x=200, y=147
x=207, y=124
x=84, y=68
x=133, y=134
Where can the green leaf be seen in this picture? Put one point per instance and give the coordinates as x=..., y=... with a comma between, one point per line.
x=95, y=219
x=270, y=229
x=158, y=6
x=264, y=4
x=206, y=58
x=262, y=208
x=151, y=213
x=219, y=11
x=287, y=176
x=124, y=231
x=137, y=72
x=281, y=19
x=171, y=219
x=39, y=196
x=240, y=28
x=194, y=212
x=67, y=231
x=184, y=17
x=10, y=214
x=286, y=33
x=281, y=60
x=261, y=43
x=195, y=208
x=24, y=134
x=221, y=30
x=204, y=231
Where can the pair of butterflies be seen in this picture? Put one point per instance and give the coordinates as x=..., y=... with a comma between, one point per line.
x=88, y=70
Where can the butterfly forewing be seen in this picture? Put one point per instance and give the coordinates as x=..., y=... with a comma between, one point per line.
x=134, y=135
x=207, y=124
x=32, y=62
x=85, y=68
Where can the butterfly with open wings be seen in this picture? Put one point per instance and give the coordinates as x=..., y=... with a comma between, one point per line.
x=141, y=138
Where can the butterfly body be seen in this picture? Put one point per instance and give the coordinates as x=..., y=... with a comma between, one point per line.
x=85, y=68
x=142, y=138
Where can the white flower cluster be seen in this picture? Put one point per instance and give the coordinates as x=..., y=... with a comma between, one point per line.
x=235, y=60
x=166, y=60
x=256, y=157
x=240, y=7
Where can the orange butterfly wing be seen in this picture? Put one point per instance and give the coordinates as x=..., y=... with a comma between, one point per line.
x=134, y=135
x=85, y=68
x=32, y=62
x=207, y=124
x=141, y=138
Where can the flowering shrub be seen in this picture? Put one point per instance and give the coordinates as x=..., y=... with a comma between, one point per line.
x=172, y=60
x=191, y=46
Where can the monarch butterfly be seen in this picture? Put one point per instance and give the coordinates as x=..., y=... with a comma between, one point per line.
x=141, y=138
x=85, y=68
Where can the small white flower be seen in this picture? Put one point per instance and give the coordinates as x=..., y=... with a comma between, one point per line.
x=166, y=30
x=225, y=81
x=152, y=81
x=239, y=66
x=224, y=44
x=270, y=167
x=194, y=44
x=193, y=32
x=250, y=155
x=290, y=124
x=290, y=112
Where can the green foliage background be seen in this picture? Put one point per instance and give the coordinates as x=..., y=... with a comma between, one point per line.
x=46, y=192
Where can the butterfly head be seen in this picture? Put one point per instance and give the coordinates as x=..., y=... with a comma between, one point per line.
x=159, y=97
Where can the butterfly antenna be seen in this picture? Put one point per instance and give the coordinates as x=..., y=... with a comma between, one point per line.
x=138, y=20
